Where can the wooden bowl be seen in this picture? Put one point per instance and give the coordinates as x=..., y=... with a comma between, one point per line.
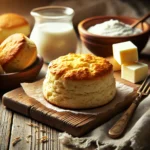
x=10, y=81
x=102, y=45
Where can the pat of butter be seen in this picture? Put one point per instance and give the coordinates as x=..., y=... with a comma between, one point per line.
x=134, y=72
x=125, y=52
x=116, y=66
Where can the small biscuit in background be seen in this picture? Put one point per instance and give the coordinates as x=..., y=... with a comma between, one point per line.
x=17, y=52
x=11, y=23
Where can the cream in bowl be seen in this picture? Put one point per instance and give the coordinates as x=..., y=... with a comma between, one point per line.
x=101, y=45
x=113, y=28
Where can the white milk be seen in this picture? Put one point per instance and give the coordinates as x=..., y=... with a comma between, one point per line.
x=54, y=39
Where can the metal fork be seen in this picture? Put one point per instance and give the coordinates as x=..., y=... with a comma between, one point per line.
x=119, y=127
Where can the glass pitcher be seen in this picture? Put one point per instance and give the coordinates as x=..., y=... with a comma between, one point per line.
x=53, y=31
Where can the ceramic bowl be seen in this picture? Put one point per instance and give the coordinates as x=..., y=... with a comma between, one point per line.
x=102, y=45
x=10, y=81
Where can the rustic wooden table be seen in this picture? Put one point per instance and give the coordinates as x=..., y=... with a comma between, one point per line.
x=14, y=125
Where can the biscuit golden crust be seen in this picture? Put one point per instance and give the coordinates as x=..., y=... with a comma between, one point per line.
x=11, y=47
x=17, y=52
x=79, y=81
x=80, y=67
x=12, y=20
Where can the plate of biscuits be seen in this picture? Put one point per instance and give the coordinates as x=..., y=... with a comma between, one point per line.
x=19, y=61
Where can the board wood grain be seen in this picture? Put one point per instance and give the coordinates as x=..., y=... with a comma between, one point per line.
x=5, y=126
x=75, y=124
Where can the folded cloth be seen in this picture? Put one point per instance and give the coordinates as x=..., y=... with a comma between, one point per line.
x=136, y=136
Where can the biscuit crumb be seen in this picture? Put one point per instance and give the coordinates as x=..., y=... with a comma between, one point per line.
x=15, y=141
x=36, y=130
x=43, y=139
x=27, y=138
x=32, y=125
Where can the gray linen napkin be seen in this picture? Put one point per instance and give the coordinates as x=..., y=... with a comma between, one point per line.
x=137, y=136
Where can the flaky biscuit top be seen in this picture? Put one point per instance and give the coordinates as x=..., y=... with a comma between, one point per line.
x=12, y=45
x=79, y=67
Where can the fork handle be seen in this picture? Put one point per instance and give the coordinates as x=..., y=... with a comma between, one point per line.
x=119, y=127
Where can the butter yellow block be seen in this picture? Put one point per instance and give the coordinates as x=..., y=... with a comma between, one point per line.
x=134, y=72
x=116, y=66
x=125, y=52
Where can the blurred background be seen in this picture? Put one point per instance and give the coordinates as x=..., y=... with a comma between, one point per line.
x=83, y=8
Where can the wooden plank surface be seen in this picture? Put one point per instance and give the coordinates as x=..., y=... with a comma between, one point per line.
x=20, y=129
x=5, y=126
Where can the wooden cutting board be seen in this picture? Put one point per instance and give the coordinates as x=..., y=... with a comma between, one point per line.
x=75, y=124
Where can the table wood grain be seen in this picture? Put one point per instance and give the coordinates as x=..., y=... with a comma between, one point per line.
x=13, y=125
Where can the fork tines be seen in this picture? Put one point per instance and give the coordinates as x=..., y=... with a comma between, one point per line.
x=144, y=89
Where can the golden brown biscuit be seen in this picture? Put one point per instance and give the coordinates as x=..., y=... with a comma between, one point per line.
x=17, y=52
x=11, y=23
x=79, y=81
